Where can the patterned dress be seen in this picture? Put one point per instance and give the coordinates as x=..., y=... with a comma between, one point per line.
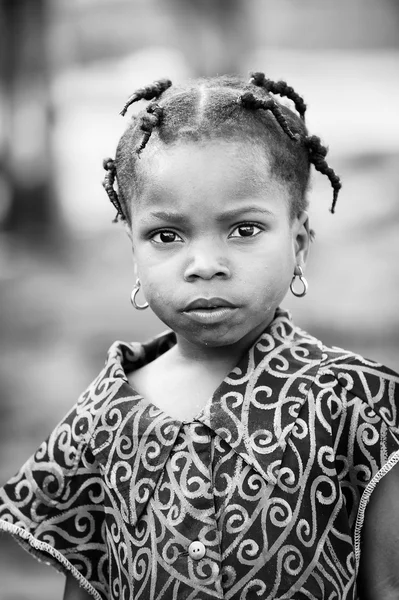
x=261, y=496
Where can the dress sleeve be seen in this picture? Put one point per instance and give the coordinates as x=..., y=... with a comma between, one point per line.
x=54, y=506
x=367, y=433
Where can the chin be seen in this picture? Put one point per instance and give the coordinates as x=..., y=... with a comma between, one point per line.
x=216, y=343
x=215, y=338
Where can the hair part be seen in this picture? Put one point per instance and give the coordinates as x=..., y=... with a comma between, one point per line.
x=226, y=108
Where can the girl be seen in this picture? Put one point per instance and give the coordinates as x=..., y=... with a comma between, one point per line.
x=235, y=455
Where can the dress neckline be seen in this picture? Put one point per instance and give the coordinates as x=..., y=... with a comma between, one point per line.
x=131, y=356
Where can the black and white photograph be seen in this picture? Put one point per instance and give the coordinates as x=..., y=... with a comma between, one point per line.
x=199, y=299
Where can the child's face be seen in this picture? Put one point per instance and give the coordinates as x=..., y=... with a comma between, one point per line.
x=212, y=223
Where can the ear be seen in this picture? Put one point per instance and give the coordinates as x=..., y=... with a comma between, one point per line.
x=302, y=238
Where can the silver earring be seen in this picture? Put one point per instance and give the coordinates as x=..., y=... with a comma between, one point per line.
x=298, y=272
x=135, y=291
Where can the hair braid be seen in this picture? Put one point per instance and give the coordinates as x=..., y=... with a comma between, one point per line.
x=225, y=108
x=248, y=100
x=147, y=93
x=149, y=120
x=282, y=89
x=317, y=156
x=108, y=184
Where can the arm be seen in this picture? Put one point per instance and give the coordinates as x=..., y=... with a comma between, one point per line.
x=73, y=591
x=379, y=564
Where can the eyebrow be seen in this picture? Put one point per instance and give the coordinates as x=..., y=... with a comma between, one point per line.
x=237, y=212
x=172, y=217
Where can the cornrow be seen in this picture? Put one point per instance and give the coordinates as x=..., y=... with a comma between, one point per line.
x=148, y=122
x=248, y=100
x=147, y=93
x=317, y=156
x=281, y=88
x=108, y=184
x=222, y=107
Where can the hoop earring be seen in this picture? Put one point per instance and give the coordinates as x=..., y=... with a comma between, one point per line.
x=298, y=272
x=135, y=291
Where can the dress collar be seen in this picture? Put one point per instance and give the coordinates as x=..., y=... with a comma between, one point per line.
x=256, y=407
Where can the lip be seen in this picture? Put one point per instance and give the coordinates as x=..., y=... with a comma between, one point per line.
x=201, y=304
x=211, y=316
x=210, y=311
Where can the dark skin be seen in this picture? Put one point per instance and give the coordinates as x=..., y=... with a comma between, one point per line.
x=379, y=564
x=73, y=591
x=211, y=222
x=206, y=254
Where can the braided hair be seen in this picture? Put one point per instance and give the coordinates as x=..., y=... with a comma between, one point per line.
x=220, y=107
x=282, y=89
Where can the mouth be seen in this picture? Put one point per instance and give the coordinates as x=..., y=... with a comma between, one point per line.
x=208, y=304
x=209, y=311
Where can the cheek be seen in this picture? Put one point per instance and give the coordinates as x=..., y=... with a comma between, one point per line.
x=269, y=274
x=273, y=262
x=159, y=284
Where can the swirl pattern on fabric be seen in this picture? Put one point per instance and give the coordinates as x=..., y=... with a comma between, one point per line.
x=269, y=477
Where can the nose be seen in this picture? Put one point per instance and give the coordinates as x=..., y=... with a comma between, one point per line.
x=206, y=262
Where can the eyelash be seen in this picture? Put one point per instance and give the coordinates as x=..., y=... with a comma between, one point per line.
x=160, y=231
x=248, y=224
x=236, y=227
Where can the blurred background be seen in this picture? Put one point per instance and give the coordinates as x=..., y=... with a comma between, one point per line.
x=66, y=272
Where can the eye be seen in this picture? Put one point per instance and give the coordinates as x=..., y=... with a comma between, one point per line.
x=245, y=230
x=166, y=236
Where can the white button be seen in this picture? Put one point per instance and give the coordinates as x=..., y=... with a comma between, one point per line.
x=196, y=550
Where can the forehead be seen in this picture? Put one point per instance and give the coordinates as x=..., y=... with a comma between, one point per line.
x=222, y=170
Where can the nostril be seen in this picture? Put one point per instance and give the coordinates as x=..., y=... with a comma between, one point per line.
x=195, y=272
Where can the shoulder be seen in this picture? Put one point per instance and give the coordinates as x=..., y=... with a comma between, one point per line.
x=78, y=425
x=119, y=360
x=66, y=452
x=357, y=387
x=361, y=384
x=348, y=374
x=98, y=394
x=358, y=375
